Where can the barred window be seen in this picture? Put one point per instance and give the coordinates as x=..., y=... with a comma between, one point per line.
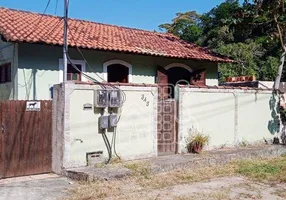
x=5, y=73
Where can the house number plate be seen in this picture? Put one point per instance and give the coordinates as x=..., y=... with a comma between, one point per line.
x=33, y=106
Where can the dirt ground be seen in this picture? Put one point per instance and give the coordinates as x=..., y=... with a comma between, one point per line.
x=261, y=178
x=217, y=189
x=232, y=187
x=244, y=179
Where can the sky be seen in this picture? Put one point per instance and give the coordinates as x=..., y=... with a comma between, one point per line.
x=142, y=14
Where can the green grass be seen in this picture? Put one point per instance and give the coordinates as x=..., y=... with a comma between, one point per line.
x=140, y=169
x=264, y=169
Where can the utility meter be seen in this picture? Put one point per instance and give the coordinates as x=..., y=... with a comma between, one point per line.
x=115, y=98
x=103, y=122
x=113, y=120
x=101, y=98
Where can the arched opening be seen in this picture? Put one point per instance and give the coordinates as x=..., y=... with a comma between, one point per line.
x=177, y=75
x=117, y=73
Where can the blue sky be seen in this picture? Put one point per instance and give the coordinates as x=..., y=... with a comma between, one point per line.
x=143, y=14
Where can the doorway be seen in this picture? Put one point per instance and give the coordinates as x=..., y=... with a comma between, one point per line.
x=167, y=79
x=177, y=75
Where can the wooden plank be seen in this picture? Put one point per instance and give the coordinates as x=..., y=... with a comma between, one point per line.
x=40, y=137
x=9, y=142
x=20, y=108
x=26, y=141
x=17, y=171
x=37, y=145
x=48, y=151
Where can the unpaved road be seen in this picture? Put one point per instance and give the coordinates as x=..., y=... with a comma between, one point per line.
x=216, y=189
x=50, y=187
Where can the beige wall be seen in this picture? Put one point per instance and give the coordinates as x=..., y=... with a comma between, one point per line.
x=136, y=131
x=229, y=117
x=9, y=54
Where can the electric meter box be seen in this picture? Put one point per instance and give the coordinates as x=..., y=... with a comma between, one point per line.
x=103, y=122
x=113, y=120
x=101, y=98
x=115, y=98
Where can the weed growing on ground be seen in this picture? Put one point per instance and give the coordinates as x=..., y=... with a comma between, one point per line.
x=142, y=169
x=281, y=193
x=273, y=170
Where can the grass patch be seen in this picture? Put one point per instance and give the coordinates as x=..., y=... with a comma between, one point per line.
x=94, y=190
x=273, y=170
x=281, y=193
x=139, y=168
x=143, y=181
x=216, y=195
x=183, y=176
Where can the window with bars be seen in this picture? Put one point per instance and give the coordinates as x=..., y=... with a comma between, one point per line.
x=73, y=74
x=5, y=73
x=117, y=73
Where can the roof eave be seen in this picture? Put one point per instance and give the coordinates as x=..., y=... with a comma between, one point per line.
x=123, y=51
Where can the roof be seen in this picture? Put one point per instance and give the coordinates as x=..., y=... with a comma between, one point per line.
x=245, y=88
x=24, y=26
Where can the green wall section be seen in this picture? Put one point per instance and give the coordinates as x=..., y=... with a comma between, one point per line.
x=8, y=54
x=39, y=67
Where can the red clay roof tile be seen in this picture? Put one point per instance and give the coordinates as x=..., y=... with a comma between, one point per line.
x=23, y=26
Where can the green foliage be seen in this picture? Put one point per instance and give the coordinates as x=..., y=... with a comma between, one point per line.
x=246, y=32
x=264, y=170
x=196, y=141
x=185, y=25
x=247, y=53
x=140, y=169
x=269, y=68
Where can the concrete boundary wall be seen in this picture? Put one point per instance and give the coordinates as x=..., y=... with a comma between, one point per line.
x=76, y=131
x=231, y=117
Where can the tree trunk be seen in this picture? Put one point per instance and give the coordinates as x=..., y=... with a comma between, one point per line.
x=280, y=69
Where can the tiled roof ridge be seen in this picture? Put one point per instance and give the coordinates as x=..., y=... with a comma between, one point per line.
x=89, y=21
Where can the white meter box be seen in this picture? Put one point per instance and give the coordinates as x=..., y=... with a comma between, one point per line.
x=101, y=98
x=115, y=98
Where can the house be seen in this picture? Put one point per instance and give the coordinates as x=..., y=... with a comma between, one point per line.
x=31, y=55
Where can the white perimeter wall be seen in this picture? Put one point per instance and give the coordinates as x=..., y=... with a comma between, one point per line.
x=227, y=116
x=136, y=131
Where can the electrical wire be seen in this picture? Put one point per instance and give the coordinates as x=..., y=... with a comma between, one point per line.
x=123, y=95
x=106, y=141
x=56, y=25
x=114, y=146
x=56, y=8
x=103, y=85
x=108, y=146
x=106, y=83
x=80, y=52
x=42, y=15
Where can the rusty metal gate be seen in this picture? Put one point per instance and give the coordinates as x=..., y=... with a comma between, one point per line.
x=25, y=138
x=167, y=128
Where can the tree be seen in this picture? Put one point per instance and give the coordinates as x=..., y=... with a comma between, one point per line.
x=185, y=25
x=273, y=12
x=252, y=32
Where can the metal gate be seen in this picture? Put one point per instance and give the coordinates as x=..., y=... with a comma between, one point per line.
x=25, y=138
x=167, y=128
